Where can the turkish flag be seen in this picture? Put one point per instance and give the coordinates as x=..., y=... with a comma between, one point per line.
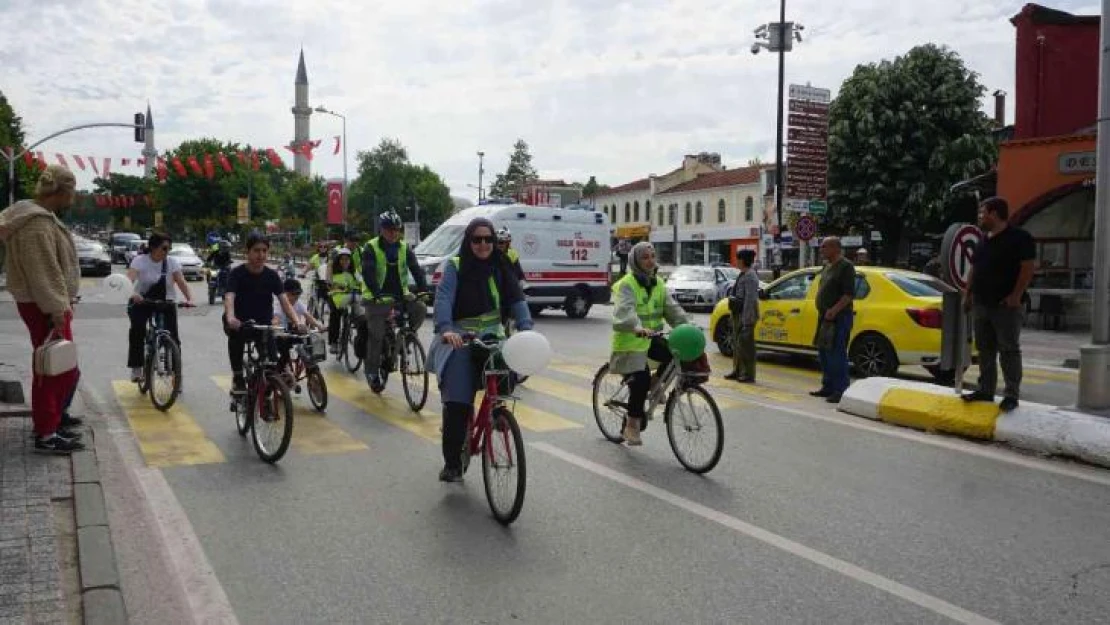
x=335, y=202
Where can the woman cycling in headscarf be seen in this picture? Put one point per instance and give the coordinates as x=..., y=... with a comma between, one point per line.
x=473, y=288
x=640, y=304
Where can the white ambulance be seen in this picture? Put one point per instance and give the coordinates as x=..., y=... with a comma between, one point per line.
x=564, y=252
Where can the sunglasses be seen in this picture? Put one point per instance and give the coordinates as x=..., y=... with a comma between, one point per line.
x=480, y=239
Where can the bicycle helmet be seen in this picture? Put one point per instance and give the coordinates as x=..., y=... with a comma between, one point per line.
x=389, y=219
x=341, y=251
x=504, y=235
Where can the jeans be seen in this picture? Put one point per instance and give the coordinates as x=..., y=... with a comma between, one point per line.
x=50, y=395
x=743, y=349
x=834, y=360
x=136, y=336
x=639, y=383
x=998, y=339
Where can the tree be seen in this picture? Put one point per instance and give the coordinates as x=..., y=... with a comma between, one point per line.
x=590, y=187
x=12, y=136
x=519, y=172
x=387, y=180
x=901, y=133
x=126, y=185
x=303, y=198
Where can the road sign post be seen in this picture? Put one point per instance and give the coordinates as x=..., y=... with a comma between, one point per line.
x=957, y=250
x=806, y=228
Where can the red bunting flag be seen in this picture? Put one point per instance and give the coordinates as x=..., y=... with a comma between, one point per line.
x=275, y=158
x=92, y=163
x=79, y=161
x=29, y=159
x=163, y=171
x=336, y=149
x=62, y=160
x=226, y=164
x=209, y=168
x=194, y=165
x=179, y=168
x=40, y=160
x=106, y=170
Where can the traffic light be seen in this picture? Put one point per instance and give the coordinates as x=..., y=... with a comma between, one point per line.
x=140, y=128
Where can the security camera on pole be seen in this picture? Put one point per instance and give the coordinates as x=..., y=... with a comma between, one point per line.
x=779, y=37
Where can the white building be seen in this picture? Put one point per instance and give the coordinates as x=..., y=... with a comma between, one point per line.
x=716, y=211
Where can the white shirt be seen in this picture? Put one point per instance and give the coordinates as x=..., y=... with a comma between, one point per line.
x=298, y=308
x=149, y=272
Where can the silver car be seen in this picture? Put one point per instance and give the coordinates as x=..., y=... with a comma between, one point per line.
x=192, y=267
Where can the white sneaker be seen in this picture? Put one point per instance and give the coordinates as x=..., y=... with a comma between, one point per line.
x=136, y=374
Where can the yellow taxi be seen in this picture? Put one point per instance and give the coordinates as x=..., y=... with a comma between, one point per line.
x=897, y=323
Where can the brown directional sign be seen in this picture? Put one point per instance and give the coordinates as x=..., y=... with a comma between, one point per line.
x=808, y=192
x=810, y=108
x=809, y=135
x=814, y=150
x=798, y=120
x=804, y=163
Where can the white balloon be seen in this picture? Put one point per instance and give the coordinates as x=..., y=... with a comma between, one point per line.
x=527, y=352
x=116, y=288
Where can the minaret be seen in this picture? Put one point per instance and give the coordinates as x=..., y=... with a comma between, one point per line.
x=301, y=113
x=149, y=153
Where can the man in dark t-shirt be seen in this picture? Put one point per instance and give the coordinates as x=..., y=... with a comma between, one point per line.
x=1001, y=269
x=834, y=320
x=251, y=288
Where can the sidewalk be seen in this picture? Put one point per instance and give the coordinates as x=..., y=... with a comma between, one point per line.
x=57, y=564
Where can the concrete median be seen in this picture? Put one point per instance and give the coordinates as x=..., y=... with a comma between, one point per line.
x=1034, y=427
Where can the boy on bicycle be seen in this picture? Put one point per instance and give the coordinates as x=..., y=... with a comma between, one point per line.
x=292, y=294
x=640, y=305
x=251, y=289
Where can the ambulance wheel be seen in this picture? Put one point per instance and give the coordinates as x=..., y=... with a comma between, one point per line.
x=577, y=305
x=535, y=309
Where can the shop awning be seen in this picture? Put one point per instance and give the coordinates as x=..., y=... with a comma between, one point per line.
x=636, y=231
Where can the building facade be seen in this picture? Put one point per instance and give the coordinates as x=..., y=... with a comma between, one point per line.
x=699, y=213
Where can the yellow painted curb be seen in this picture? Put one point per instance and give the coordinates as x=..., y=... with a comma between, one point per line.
x=934, y=412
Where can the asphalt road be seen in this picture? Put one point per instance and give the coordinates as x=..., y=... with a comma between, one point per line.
x=811, y=516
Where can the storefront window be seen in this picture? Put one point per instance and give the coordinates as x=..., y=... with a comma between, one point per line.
x=693, y=253
x=720, y=252
x=664, y=253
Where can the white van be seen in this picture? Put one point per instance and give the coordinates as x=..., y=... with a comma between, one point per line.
x=564, y=252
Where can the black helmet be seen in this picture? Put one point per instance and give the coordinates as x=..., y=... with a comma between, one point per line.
x=389, y=219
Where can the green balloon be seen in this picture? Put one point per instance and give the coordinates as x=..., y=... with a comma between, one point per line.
x=686, y=342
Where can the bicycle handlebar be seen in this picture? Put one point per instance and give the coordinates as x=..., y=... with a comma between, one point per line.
x=166, y=303
x=474, y=339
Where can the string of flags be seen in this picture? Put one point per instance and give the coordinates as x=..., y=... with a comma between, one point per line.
x=203, y=165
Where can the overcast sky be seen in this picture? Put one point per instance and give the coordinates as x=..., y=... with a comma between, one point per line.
x=613, y=89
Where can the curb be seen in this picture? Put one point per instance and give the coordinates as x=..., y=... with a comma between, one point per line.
x=1033, y=427
x=101, y=598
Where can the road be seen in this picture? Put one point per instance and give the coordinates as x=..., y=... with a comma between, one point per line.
x=811, y=516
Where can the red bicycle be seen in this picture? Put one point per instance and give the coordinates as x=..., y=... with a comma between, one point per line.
x=305, y=353
x=494, y=433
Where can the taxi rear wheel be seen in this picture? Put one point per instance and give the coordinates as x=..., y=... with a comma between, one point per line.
x=873, y=355
x=723, y=337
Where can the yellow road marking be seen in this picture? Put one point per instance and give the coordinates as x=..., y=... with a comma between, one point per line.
x=167, y=439
x=388, y=408
x=535, y=419
x=312, y=433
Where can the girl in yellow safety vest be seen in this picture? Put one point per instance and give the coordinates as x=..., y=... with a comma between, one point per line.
x=344, y=282
x=640, y=305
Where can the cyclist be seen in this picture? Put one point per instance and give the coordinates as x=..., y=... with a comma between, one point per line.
x=219, y=255
x=344, y=281
x=505, y=245
x=151, y=274
x=386, y=266
x=471, y=291
x=251, y=289
x=292, y=291
x=352, y=241
x=640, y=304
x=319, y=259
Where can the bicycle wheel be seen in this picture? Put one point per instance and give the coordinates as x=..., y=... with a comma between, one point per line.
x=317, y=389
x=144, y=378
x=351, y=357
x=503, y=464
x=693, y=424
x=272, y=427
x=164, y=372
x=414, y=376
x=610, y=399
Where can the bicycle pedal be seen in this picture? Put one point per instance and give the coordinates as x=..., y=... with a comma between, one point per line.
x=297, y=389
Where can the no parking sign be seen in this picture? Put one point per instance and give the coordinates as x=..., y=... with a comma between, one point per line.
x=957, y=252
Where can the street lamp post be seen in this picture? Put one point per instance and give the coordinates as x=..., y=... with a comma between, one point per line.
x=481, y=170
x=780, y=38
x=13, y=156
x=320, y=109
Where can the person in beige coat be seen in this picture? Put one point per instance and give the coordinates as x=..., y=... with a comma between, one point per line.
x=43, y=278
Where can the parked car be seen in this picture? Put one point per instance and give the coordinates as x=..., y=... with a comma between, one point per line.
x=702, y=287
x=132, y=251
x=118, y=243
x=192, y=267
x=897, y=322
x=93, y=257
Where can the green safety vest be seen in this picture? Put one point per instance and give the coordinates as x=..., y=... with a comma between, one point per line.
x=486, y=323
x=314, y=262
x=512, y=254
x=349, y=283
x=649, y=308
x=381, y=265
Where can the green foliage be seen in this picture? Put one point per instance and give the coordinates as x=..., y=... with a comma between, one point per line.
x=388, y=180
x=142, y=214
x=304, y=199
x=12, y=136
x=901, y=133
x=519, y=172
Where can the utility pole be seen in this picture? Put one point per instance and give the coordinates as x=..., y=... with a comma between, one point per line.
x=481, y=171
x=1094, y=359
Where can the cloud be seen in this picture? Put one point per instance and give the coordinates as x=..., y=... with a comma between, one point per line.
x=616, y=90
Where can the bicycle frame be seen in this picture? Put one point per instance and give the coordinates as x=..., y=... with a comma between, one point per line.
x=480, y=428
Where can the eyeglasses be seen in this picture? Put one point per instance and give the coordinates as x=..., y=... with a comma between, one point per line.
x=479, y=240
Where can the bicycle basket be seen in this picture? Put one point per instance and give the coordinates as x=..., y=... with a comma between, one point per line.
x=696, y=370
x=317, y=347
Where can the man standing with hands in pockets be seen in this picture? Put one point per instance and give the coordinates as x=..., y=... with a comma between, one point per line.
x=743, y=304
